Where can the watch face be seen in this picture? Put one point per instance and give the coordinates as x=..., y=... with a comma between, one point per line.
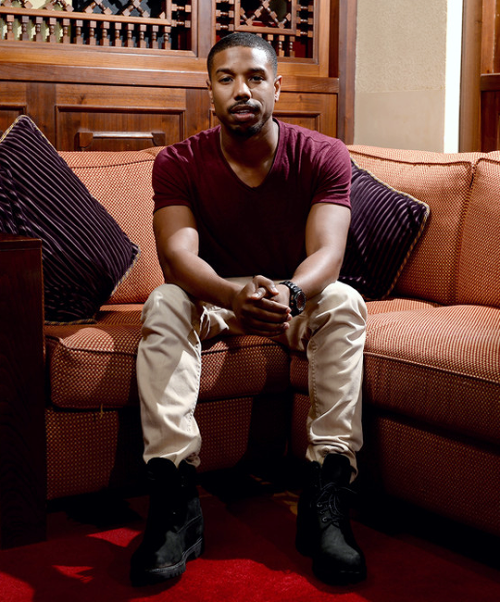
x=300, y=301
x=297, y=298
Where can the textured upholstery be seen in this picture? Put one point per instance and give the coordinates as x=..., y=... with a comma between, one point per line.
x=432, y=357
x=479, y=267
x=121, y=181
x=432, y=362
x=385, y=226
x=101, y=360
x=455, y=477
x=434, y=365
x=90, y=451
x=443, y=182
x=85, y=254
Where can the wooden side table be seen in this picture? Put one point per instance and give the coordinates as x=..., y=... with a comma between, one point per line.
x=22, y=402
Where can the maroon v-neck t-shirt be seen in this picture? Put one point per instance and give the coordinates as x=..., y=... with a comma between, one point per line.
x=242, y=230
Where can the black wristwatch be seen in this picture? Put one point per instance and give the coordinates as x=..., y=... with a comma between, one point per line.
x=297, y=298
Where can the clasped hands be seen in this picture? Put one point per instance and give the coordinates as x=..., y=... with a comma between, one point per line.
x=262, y=307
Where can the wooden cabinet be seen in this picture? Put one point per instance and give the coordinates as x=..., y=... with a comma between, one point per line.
x=22, y=418
x=93, y=81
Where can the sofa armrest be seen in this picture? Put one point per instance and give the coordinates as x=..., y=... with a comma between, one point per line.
x=22, y=403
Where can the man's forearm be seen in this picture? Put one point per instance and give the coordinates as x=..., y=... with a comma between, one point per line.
x=199, y=279
x=317, y=271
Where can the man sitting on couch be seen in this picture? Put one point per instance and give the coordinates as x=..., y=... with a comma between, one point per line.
x=251, y=221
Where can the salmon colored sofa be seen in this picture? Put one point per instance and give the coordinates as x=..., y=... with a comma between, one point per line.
x=432, y=360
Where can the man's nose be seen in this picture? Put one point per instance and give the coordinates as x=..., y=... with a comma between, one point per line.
x=241, y=89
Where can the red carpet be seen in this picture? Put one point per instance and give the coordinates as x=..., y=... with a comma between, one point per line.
x=249, y=556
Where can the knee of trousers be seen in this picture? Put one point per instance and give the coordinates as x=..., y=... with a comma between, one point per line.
x=167, y=300
x=339, y=295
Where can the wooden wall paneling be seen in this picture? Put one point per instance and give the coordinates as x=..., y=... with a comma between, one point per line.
x=343, y=40
x=489, y=37
x=13, y=103
x=322, y=35
x=118, y=117
x=197, y=110
x=206, y=28
x=490, y=112
x=127, y=78
x=470, y=94
x=41, y=97
x=313, y=111
x=480, y=89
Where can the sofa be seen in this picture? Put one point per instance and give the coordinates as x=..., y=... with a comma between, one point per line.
x=432, y=359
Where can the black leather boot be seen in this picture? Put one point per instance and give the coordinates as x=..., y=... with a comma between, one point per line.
x=323, y=527
x=174, y=528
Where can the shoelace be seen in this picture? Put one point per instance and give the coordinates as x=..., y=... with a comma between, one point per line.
x=330, y=500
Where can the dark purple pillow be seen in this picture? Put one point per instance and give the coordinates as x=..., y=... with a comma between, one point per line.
x=385, y=226
x=85, y=254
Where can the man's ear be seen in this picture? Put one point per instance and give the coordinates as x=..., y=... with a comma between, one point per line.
x=209, y=88
x=277, y=88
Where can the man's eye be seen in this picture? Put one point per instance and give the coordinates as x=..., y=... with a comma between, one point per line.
x=257, y=78
x=225, y=80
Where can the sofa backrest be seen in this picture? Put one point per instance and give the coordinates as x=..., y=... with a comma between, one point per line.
x=121, y=181
x=479, y=265
x=444, y=182
x=456, y=260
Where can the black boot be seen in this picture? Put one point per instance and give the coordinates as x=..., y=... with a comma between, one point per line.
x=174, y=528
x=323, y=528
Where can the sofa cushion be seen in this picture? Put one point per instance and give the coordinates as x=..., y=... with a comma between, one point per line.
x=385, y=225
x=114, y=445
x=93, y=366
x=434, y=364
x=298, y=362
x=479, y=267
x=442, y=181
x=121, y=182
x=85, y=253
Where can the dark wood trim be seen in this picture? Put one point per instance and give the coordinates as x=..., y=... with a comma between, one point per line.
x=346, y=35
x=490, y=113
x=149, y=78
x=489, y=82
x=22, y=403
x=470, y=97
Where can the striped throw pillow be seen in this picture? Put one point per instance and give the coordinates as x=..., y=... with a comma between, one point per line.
x=85, y=254
x=385, y=226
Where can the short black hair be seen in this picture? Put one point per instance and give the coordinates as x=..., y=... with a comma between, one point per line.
x=246, y=39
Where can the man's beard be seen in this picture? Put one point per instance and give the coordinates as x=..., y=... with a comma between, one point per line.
x=249, y=131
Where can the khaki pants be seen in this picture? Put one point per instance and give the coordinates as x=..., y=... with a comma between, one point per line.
x=331, y=330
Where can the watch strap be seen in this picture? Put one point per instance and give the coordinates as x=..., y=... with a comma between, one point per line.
x=295, y=293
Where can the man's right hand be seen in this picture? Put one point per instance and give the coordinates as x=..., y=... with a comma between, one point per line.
x=259, y=308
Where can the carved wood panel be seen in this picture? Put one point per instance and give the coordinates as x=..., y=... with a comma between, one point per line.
x=126, y=118
x=86, y=96
x=12, y=103
x=91, y=128
x=490, y=114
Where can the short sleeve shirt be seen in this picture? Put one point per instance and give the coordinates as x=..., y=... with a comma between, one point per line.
x=243, y=230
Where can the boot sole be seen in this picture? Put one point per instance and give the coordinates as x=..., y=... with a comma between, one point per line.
x=338, y=577
x=152, y=576
x=326, y=574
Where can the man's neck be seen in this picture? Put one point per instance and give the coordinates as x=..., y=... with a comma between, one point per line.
x=255, y=152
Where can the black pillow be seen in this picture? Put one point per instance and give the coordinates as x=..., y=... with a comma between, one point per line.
x=85, y=254
x=385, y=225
